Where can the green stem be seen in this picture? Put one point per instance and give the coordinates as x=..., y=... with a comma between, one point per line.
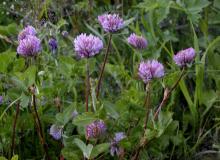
x=103, y=66
x=38, y=124
x=14, y=128
x=87, y=85
x=147, y=105
x=168, y=92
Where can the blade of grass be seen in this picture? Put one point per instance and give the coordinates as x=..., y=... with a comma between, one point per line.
x=199, y=75
x=6, y=109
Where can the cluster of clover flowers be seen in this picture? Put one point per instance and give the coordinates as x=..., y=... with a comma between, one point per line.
x=87, y=46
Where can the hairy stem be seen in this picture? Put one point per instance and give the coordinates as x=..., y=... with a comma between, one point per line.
x=87, y=85
x=103, y=66
x=147, y=105
x=14, y=128
x=90, y=6
x=168, y=92
x=39, y=126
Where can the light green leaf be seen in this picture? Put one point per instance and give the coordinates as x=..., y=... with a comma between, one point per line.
x=98, y=149
x=110, y=109
x=208, y=99
x=10, y=29
x=69, y=154
x=127, y=22
x=84, y=119
x=24, y=100
x=61, y=23
x=15, y=157
x=94, y=31
x=81, y=145
x=89, y=150
x=6, y=58
x=85, y=149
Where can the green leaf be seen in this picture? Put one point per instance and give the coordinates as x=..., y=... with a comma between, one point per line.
x=127, y=22
x=192, y=8
x=18, y=65
x=6, y=58
x=24, y=100
x=3, y=158
x=10, y=29
x=61, y=23
x=208, y=99
x=69, y=154
x=93, y=93
x=65, y=116
x=18, y=83
x=159, y=8
x=94, y=31
x=81, y=145
x=30, y=75
x=84, y=119
x=164, y=120
x=200, y=70
x=87, y=150
x=15, y=157
x=150, y=134
x=216, y=4
x=98, y=149
x=110, y=109
x=125, y=144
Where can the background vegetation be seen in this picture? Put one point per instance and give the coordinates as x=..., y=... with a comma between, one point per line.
x=188, y=127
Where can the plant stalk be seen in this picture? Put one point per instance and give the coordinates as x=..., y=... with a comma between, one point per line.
x=103, y=66
x=167, y=93
x=147, y=105
x=39, y=126
x=87, y=85
x=14, y=128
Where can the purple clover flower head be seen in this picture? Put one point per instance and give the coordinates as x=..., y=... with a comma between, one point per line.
x=29, y=30
x=1, y=100
x=87, y=45
x=52, y=44
x=150, y=69
x=29, y=47
x=74, y=114
x=184, y=57
x=65, y=34
x=96, y=129
x=137, y=42
x=111, y=22
x=56, y=131
x=119, y=136
x=115, y=148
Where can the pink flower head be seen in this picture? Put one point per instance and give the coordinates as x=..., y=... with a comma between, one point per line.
x=137, y=42
x=115, y=148
x=111, y=22
x=150, y=69
x=87, y=46
x=1, y=100
x=95, y=129
x=184, y=57
x=29, y=47
x=29, y=30
x=56, y=131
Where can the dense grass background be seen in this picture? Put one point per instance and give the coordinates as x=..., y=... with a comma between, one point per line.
x=188, y=127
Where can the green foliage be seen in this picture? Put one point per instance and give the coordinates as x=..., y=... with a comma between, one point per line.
x=189, y=121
